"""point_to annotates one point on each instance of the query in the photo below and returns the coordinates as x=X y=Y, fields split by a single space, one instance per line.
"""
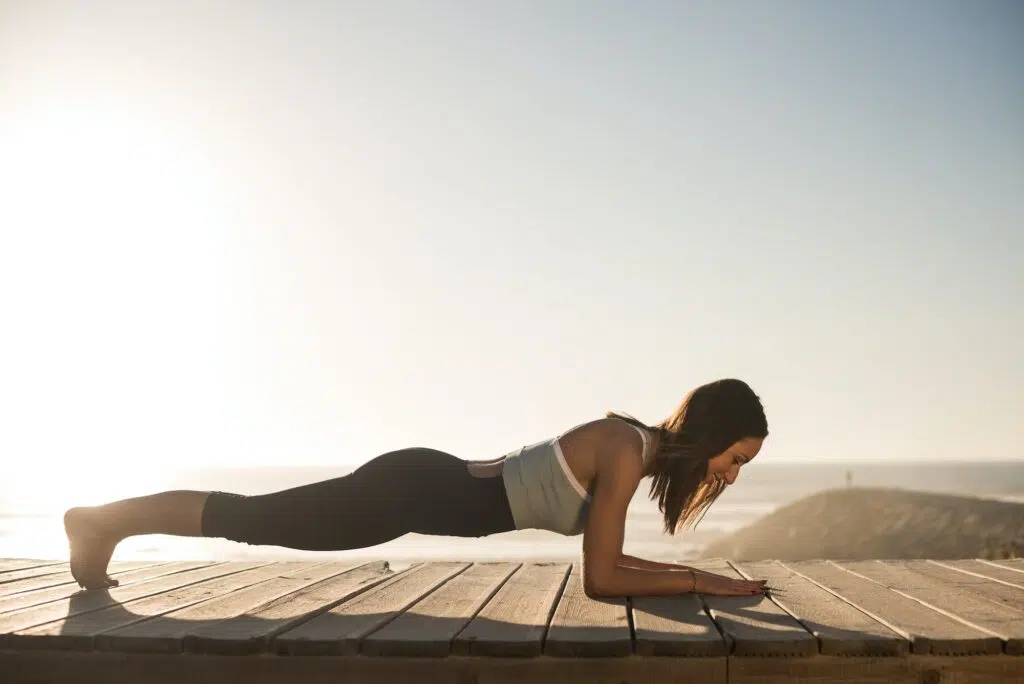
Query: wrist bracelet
x=693 y=576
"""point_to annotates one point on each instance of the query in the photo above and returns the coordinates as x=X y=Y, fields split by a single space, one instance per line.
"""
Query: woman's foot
x=91 y=548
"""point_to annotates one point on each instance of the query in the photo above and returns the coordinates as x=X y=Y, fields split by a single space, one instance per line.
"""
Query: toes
x=105 y=582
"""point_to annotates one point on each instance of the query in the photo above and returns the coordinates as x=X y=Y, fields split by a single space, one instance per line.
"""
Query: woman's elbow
x=598 y=584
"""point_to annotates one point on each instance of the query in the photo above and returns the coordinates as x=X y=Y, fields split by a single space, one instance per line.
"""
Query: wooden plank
x=253 y=631
x=165 y=632
x=513 y=623
x=428 y=627
x=754 y=625
x=1003 y=622
x=9 y=564
x=929 y=632
x=28 y=626
x=87 y=630
x=911 y=669
x=998 y=573
x=675 y=626
x=70 y=667
x=1012 y=563
x=58 y=578
x=979 y=585
x=35 y=571
x=339 y=630
x=840 y=629
x=63 y=591
x=586 y=627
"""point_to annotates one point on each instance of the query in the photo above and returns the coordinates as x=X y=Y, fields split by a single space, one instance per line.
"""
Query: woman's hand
x=716 y=585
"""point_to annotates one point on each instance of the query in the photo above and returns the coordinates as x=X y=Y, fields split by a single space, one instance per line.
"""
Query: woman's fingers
x=736 y=587
x=751 y=587
x=732 y=586
x=738 y=581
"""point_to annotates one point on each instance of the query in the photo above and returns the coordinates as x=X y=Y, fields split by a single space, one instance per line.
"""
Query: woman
x=580 y=481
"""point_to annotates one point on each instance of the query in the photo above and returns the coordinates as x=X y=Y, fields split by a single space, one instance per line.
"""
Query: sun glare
x=111 y=269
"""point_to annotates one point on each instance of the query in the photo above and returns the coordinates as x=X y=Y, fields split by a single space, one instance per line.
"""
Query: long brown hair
x=709 y=420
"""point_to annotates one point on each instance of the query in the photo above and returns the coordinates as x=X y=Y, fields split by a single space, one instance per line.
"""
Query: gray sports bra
x=542 y=491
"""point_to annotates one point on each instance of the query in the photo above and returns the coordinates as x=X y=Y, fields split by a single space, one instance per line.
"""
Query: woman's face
x=726 y=465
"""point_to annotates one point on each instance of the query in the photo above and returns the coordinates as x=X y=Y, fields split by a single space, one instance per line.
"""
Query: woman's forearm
x=644 y=564
x=628 y=581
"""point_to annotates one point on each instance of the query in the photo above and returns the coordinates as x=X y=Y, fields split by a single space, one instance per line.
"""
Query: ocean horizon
x=30 y=526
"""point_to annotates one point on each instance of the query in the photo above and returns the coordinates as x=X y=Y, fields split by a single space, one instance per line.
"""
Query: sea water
x=30 y=526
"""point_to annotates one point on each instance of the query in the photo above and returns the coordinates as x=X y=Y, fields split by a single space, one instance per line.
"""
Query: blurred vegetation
x=1004 y=551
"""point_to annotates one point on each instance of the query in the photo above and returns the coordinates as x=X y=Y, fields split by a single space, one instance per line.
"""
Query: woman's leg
x=412 y=490
x=93 y=532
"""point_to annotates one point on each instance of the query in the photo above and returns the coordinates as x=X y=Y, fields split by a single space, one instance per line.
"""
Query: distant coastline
x=873 y=522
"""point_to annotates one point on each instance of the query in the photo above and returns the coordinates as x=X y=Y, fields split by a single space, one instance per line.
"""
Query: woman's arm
x=644 y=564
x=603 y=575
x=602 y=542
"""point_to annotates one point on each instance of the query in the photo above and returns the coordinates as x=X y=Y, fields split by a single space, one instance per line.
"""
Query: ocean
x=29 y=529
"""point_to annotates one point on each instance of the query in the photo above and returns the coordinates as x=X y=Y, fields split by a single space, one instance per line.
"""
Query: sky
x=273 y=233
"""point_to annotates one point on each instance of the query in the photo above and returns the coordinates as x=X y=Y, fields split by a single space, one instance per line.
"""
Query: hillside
x=864 y=523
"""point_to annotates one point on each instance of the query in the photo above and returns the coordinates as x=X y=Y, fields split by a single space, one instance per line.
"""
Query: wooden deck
x=253 y=622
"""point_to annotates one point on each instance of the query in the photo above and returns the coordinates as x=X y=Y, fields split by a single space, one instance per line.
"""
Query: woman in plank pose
x=578 y=482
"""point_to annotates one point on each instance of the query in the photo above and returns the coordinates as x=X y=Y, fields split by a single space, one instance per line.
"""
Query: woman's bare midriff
x=486 y=469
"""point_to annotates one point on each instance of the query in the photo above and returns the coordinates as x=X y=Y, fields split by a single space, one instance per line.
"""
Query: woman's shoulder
x=615 y=443
x=612 y=431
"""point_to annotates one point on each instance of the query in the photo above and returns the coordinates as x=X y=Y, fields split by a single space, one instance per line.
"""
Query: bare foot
x=91 y=548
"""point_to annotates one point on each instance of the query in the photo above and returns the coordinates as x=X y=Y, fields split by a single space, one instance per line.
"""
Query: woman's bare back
x=582 y=447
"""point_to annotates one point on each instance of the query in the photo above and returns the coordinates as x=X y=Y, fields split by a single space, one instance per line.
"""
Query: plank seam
x=975 y=574
x=886 y=623
x=554 y=607
x=183 y=641
x=924 y=603
x=92 y=639
x=115 y=575
x=404 y=609
x=969 y=589
x=52 y=577
x=1001 y=567
x=784 y=609
x=144 y=597
x=730 y=643
x=268 y=638
x=101 y=634
x=38 y=564
x=53 y=571
x=632 y=625
x=274 y=646
x=483 y=604
x=1005 y=567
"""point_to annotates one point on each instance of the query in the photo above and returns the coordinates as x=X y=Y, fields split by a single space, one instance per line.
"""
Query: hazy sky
x=297 y=232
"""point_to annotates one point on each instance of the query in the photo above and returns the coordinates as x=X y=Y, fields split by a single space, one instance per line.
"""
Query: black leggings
x=412 y=490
